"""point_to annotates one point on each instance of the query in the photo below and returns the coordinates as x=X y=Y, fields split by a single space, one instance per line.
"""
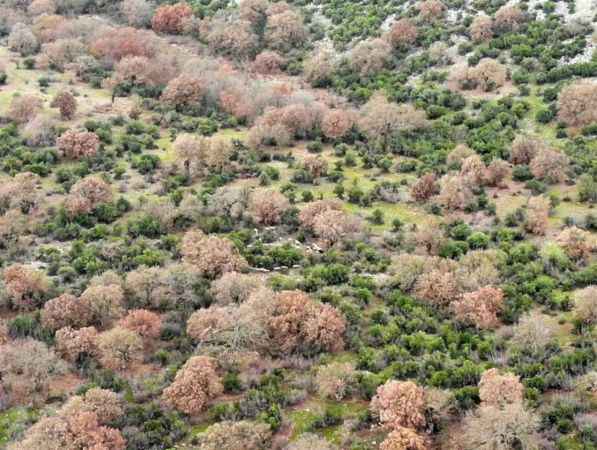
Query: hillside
x=298 y=225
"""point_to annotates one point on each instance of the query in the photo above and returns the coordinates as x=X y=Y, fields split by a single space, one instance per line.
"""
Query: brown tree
x=537 y=215
x=119 y=348
x=481 y=28
x=117 y=43
x=525 y=148
x=81 y=431
x=105 y=404
x=105 y=303
x=65 y=311
x=232 y=39
x=266 y=206
x=78 y=144
x=319 y=66
x=26 y=369
x=255 y=12
x=370 y=56
x=285 y=30
x=403 y=33
x=473 y=171
x=234 y=288
x=73 y=344
x=316 y=166
x=403 y=438
x=24 y=108
x=399 y=404
x=171 y=18
x=508 y=18
x=458 y=155
x=585 y=305
x=336 y=123
x=424 y=188
x=25 y=285
x=268 y=63
x=297 y=323
x=195 y=384
x=211 y=255
x=431 y=10
x=497 y=172
x=138 y=13
x=86 y=194
x=145 y=323
x=335 y=380
x=492 y=427
x=455 y=192
x=66 y=103
x=577 y=104
x=229 y=435
x=577 y=243
x=184 y=91
x=487 y=75
x=211 y=325
x=480 y=308
x=22 y=40
x=380 y=119
x=332 y=226
x=533 y=333
x=438 y=287
x=496 y=389
x=550 y=165
x=311 y=210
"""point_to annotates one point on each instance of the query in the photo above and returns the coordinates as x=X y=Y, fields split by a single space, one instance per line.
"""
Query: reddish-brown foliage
x=79 y=431
x=525 y=148
x=332 y=226
x=171 y=18
x=24 y=108
x=577 y=243
x=336 y=123
x=431 y=10
x=211 y=255
x=66 y=103
x=496 y=389
x=316 y=166
x=550 y=165
x=118 y=43
x=297 y=323
x=184 y=90
x=497 y=172
x=266 y=206
x=72 y=344
x=268 y=63
x=480 y=308
x=119 y=348
x=400 y=404
x=370 y=56
x=65 y=311
x=481 y=28
x=285 y=30
x=313 y=209
x=105 y=302
x=537 y=215
x=78 y=144
x=25 y=285
x=438 y=287
x=455 y=192
x=145 y=323
x=403 y=33
x=86 y=194
x=508 y=17
x=424 y=187
x=403 y=438
x=577 y=104
x=26 y=368
x=195 y=384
